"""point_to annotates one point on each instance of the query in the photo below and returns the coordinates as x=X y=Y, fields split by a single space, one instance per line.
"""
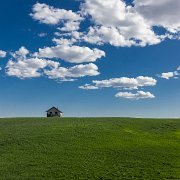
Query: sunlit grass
x=89 y=148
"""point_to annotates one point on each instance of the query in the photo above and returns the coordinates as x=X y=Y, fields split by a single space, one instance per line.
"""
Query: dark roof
x=54 y=108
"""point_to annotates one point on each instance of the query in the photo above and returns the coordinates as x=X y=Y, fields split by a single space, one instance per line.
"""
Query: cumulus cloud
x=22 y=52
x=126 y=84
x=64 y=41
x=2 y=54
x=72 y=54
x=169 y=75
x=23 y=65
x=108 y=13
x=111 y=35
x=115 y=20
x=135 y=96
x=35 y=67
x=72 y=72
x=70 y=26
x=28 y=68
x=163 y=13
x=50 y=15
x=88 y=87
x=121 y=83
x=120 y=24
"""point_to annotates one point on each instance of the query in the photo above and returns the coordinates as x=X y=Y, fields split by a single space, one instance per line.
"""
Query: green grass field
x=89 y=148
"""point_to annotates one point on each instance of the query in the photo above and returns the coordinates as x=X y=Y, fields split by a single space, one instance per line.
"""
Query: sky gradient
x=87 y=62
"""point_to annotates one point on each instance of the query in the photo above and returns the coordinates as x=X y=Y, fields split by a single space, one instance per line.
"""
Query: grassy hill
x=89 y=148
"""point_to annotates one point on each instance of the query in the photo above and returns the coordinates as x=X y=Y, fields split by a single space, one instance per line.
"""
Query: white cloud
x=28 y=68
x=88 y=87
x=123 y=83
x=111 y=35
x=72 y=72
x=108 y=13
x=72 y=54
x=169 y=75
x=135 y=96
x=50 y=15
x=70 y=26
x=2 y=54
x=63 y=41
x=132 y=25
x=22 y=52
x=163 y=13
x=115 y=20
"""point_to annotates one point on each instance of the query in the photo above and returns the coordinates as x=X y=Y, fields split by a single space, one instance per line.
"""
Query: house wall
x=54 y=112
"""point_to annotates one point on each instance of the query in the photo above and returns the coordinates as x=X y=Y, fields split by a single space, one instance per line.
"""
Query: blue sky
x=90 y=58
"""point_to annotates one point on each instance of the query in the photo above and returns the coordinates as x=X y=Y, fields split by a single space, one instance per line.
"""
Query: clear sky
x=90 y=57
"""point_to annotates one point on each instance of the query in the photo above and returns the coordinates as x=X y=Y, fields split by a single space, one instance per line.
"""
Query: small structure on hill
x=54 y=112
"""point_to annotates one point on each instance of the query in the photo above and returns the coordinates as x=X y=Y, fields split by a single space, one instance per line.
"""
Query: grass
x=89 y=148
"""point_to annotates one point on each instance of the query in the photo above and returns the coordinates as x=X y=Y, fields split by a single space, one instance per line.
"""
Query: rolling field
x=89 y=148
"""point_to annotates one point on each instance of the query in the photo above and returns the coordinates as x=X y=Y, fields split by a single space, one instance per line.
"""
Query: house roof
x=54 y=108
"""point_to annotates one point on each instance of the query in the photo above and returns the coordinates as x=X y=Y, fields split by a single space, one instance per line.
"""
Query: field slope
x=89 y=148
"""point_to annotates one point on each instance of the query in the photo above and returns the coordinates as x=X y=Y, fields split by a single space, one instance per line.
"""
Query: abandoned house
x=54 y=112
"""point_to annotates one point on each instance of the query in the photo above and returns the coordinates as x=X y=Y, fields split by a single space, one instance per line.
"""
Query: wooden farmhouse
x=54 y=112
